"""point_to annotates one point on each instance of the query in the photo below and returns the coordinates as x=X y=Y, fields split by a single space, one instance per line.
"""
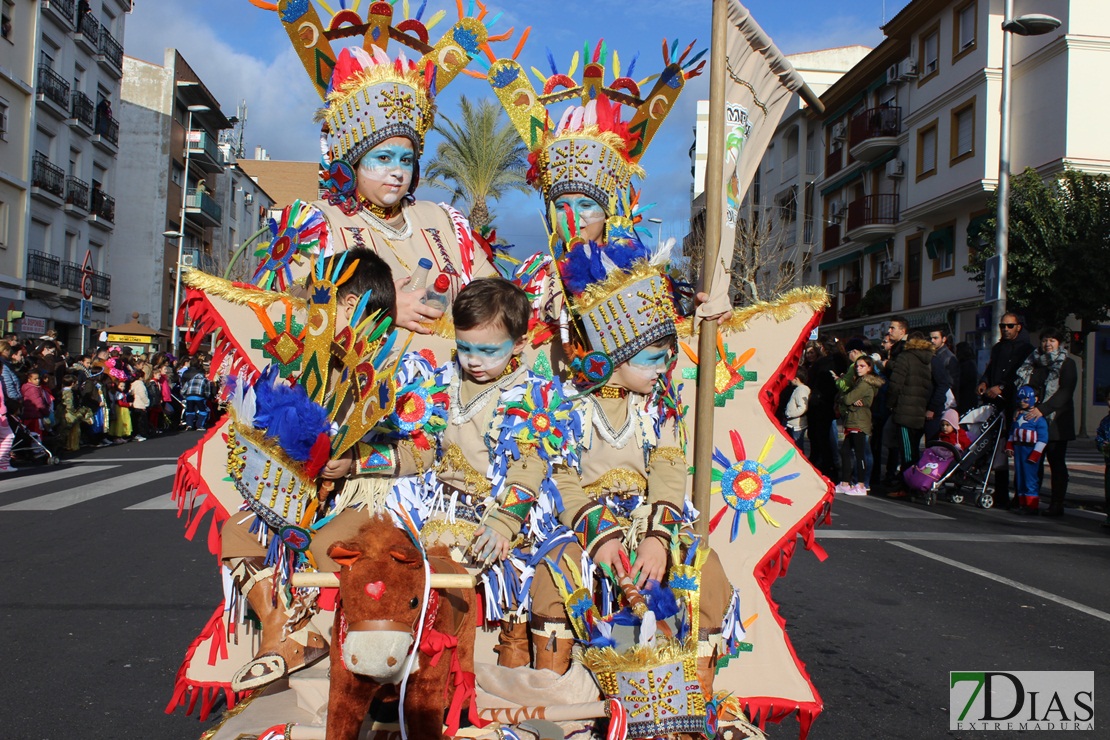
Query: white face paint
x=385 y=172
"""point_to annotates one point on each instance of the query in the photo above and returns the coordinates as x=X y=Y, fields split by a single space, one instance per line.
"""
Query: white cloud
x=280 y=100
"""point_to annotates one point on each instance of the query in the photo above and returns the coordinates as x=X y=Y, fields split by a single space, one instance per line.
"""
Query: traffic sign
x=86 y=312
x=87 y=278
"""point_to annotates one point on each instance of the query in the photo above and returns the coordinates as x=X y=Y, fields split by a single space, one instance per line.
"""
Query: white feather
x=647 y=629
x=564 y=121
x=576 y=117
x=589 y=114
x=662 y=253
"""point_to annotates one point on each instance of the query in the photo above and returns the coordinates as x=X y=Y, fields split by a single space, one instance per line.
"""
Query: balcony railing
x=202 y=202
x=47 y=176
x=204 y=148
x=110 y=49
x=874 y=123
x=790 y=168
x=107 y=127
x=103 y=205
x=77 y=193
x=807 y=232
x=61 y=8
x=81 y=108
x=53 y=86
x=71 y=277
x=871 y=210
x=43 y=268
x=834 y=161
x=89 y=27
x=102 y=285
x=832 y=237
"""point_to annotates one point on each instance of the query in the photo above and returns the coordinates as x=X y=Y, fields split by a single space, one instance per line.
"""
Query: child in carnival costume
x=507 y=427
x=378 y=108
x=284 y=437
x=627 y=496
x=1028 y=438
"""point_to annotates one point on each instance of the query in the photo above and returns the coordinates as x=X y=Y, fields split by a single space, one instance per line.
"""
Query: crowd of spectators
x=57 y=403
x=879 y=402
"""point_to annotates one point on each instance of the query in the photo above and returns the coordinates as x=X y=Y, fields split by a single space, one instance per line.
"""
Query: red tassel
x=318 y=455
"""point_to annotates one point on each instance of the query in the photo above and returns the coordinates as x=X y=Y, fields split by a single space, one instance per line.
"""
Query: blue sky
x=242 y=53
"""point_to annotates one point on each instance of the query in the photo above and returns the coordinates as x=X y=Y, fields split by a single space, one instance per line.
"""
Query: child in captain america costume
x=1026 y=445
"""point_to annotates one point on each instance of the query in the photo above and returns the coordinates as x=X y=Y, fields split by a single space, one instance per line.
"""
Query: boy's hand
x=339 y=467
x=489 y=545
x=412 y=314
x=610 y=554
x=700 y=298
x=651 y=561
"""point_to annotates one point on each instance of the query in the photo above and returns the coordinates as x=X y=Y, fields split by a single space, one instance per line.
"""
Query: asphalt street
x=106 y=594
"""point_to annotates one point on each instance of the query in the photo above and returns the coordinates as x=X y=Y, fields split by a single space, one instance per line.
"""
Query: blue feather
x=551 y=61
x=285 y=413
x=660 y=600
x=632 y=66
x=420 y=12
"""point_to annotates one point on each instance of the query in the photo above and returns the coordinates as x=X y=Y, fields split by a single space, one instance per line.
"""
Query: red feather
x=318 y=455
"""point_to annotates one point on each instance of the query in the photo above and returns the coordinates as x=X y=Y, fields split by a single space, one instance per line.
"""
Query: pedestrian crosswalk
x=74 y=491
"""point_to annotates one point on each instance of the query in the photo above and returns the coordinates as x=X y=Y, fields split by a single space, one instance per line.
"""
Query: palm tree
x=479 y=158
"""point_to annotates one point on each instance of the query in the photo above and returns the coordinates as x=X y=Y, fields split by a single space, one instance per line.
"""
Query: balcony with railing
x=77 y=195
x=43 y=268
x=203 y=208
x=102 y=287
x=110 y=53
x=831 y=237
x=71 y=277
x=102 y=209
x=790 y=168
x=204 y=151
x=807 y=232
x=87 y=35
x=81 y=115
x=48 y=181
x=874 y=132
x=834 y=161
x=52 y=92
x=872 y=217
x=60 y=10
x=106 y=131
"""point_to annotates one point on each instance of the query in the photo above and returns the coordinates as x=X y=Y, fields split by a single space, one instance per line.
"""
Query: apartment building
x=73 y=142
x=911 y=150
x=247 y=207
x=173 y=165
x=17 y=102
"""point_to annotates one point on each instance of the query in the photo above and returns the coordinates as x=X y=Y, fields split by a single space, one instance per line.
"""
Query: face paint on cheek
x=482 y=358
x=586 y=212
x=389 y=170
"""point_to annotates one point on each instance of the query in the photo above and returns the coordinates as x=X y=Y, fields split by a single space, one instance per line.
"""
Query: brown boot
x=289 y=640
x=513 y=645
x=550 y=650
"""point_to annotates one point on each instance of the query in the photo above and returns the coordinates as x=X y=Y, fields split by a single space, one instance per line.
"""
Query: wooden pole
x=707 y=337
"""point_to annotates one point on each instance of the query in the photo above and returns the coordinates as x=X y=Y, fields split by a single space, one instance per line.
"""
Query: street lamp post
x=659 y=231
x=1026 y=25
x=181 y=228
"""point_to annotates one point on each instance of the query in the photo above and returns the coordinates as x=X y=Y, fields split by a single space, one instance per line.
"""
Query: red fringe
x=187 y=692
x=188 y=485
x=775 y=563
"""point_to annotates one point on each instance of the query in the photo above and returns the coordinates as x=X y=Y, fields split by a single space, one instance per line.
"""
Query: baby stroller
x=960 y=476
x=28 y=446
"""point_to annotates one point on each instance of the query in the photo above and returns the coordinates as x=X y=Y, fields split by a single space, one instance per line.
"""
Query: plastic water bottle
x=419 y=276
x=436 y=297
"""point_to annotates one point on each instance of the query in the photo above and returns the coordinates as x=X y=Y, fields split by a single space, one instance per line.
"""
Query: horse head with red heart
x=396 y=625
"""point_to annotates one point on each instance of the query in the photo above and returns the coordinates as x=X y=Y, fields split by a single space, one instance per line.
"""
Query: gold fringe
x=603 y=289
x=673 y=455
x=783 y=308
x=227 y=291
x=639 y=658
x=454 y=459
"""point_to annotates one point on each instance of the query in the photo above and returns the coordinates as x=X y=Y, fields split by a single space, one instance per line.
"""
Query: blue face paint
x=586 y=211
x=652 y=358
x=493 y=351
x=386 y=158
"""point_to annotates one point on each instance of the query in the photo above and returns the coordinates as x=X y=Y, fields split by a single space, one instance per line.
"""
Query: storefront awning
x=974 y=225
x=940 y=240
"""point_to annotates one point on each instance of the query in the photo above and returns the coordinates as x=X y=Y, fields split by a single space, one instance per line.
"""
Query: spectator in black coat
x=965 y=396
x=997 y=386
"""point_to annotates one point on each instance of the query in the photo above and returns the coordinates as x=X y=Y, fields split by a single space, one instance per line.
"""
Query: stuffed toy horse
x=382 y=618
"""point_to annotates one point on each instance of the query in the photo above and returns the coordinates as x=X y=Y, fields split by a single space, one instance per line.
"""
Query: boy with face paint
x=496 y=458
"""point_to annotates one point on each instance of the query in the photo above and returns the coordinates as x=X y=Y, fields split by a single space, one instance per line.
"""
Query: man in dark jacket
x=910 y=392
x=997 y=386
x=946 y=372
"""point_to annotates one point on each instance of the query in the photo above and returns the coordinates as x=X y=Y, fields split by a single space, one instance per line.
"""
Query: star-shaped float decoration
x=775 y=332
x=730 y=372
x=293 y=237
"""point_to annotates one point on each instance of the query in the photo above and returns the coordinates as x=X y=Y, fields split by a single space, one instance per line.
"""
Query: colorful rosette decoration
x=540 y=419
x=296 y=235
x=420 y=412
x=747 y=485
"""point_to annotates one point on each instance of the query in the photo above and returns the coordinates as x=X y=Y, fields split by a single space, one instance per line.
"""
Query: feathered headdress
x=589 y=148
x=370 y=96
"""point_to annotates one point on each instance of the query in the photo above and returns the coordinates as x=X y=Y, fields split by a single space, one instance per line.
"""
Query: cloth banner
x=759 y=83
